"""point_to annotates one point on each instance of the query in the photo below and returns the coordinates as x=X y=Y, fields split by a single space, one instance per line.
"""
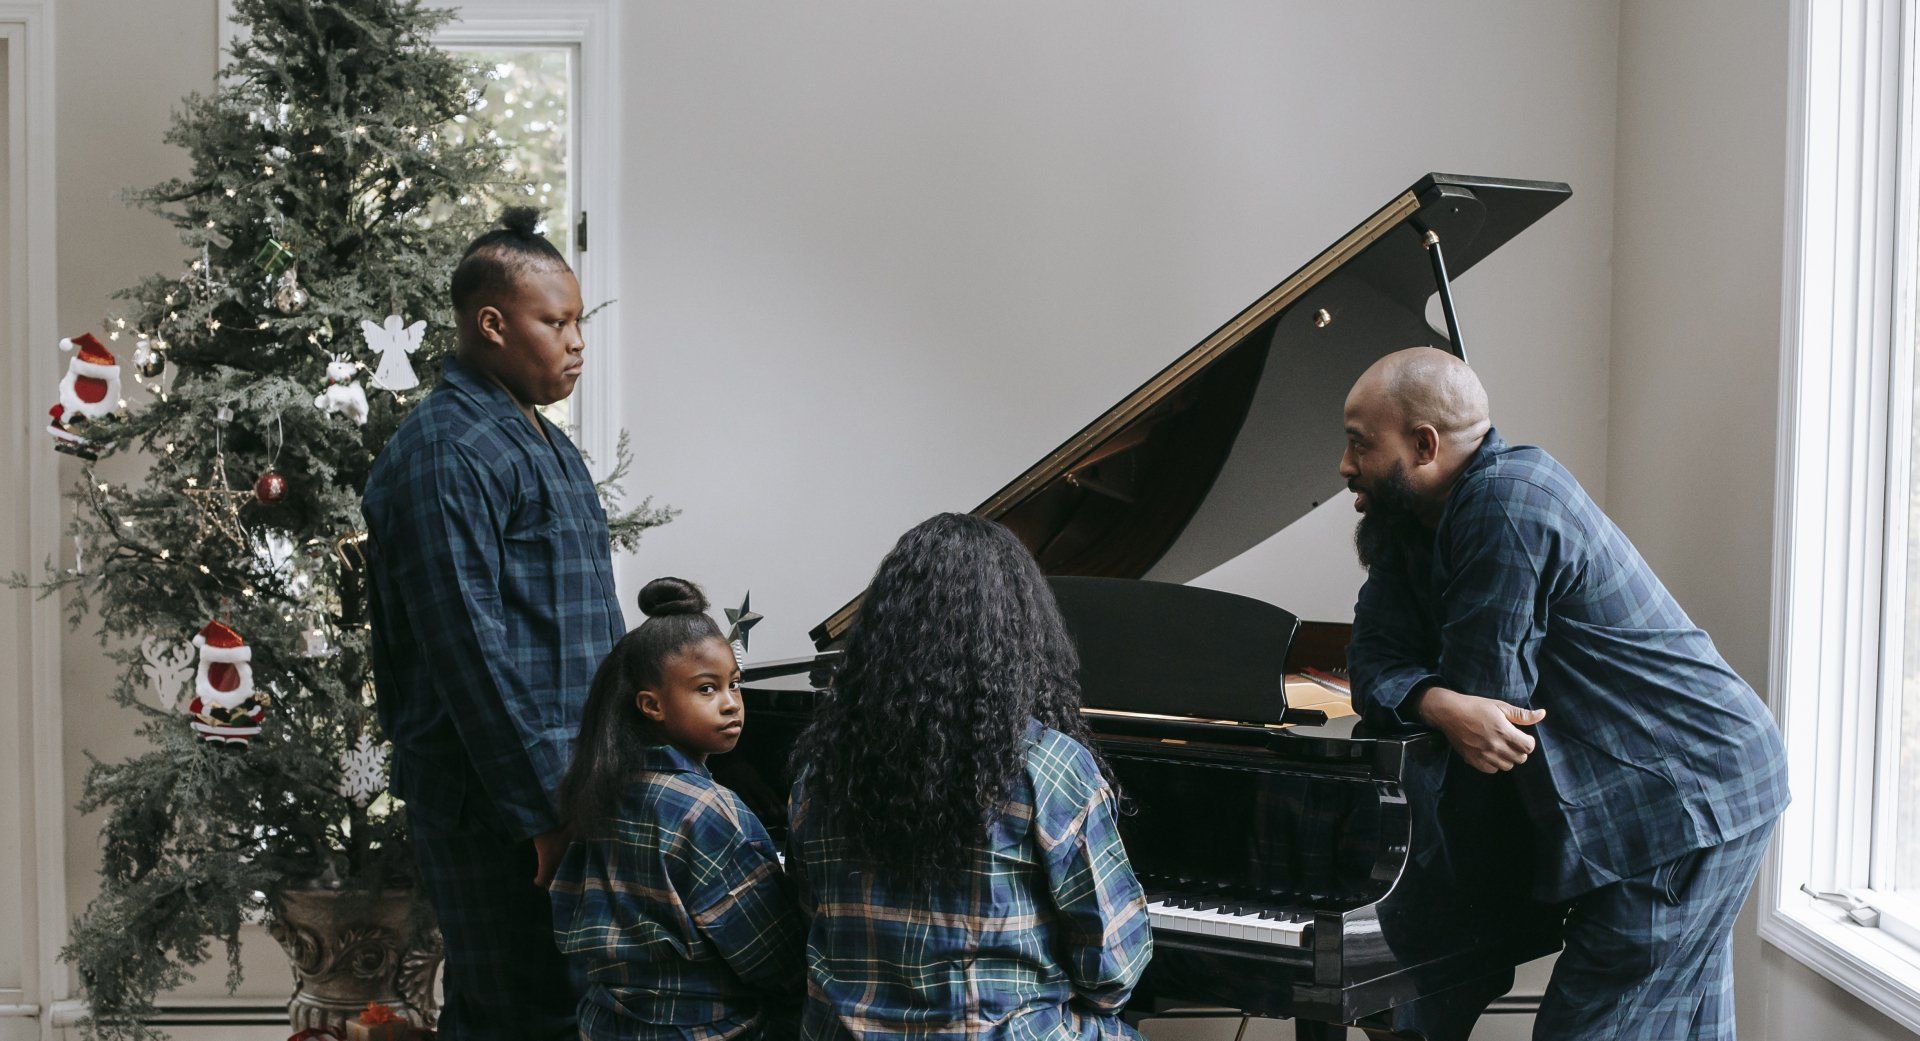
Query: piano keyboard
x=1279 y=928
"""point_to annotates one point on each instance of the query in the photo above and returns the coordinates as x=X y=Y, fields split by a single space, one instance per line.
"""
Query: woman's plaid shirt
x=683 y=924
x=1046 y=940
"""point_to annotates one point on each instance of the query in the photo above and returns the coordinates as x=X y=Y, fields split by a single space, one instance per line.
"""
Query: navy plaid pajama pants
x=504 y=978
x=1650 y=958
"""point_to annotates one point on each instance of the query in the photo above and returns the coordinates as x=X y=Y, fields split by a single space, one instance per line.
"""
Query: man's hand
x=548 y=848
x=1484 y=731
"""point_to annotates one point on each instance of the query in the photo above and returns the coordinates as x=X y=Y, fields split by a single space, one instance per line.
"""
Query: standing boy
x=492 y=598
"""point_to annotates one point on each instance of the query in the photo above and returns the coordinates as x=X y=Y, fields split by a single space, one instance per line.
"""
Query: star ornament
x=219 y=506
x=741 y=620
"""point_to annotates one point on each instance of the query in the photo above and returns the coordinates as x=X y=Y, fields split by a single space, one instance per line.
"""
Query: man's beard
x=1389 y=521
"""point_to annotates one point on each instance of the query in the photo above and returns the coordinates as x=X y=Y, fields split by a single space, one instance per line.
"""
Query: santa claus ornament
x=226 y=710
x=90 y=390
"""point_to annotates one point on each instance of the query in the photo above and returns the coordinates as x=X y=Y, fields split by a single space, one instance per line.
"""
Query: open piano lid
x=1240 y=436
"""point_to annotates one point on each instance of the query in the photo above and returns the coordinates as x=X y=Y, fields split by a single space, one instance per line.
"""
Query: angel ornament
x=393 y=342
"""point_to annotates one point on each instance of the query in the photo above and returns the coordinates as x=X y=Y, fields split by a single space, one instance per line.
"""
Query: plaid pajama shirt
x=1652 y=747
x=1046 y=940
x=682 y=923
x=490 y=589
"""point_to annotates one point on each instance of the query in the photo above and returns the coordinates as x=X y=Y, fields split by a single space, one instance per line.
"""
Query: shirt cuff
x=529 y=810
x=1395 y=696
x=528 y=817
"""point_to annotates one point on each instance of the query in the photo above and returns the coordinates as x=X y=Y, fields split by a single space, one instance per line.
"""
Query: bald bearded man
x=1505 y=610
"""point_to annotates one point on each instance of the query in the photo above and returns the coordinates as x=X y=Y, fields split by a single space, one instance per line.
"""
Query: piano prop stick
x=1299 y=861
x=1432 y=241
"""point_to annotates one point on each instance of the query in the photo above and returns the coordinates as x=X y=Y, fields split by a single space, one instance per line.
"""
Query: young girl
x=953 y=835
x=670 y=902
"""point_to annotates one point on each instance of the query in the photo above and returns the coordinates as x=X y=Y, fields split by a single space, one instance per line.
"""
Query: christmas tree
x=330 y=188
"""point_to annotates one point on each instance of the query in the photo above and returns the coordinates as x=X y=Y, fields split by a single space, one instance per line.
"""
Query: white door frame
x=33 y=713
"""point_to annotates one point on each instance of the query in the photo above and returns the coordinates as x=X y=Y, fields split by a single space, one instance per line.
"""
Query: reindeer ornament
x=343 y=393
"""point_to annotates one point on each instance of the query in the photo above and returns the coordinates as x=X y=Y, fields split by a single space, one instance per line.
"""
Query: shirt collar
x=475 y=384
x=668 y=759
x=1491 y=447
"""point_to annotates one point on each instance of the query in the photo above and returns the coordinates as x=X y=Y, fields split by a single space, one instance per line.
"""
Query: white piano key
x=1246 y=927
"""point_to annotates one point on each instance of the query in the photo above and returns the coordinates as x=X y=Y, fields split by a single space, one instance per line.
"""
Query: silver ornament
x=288 y=295
x=147 y=359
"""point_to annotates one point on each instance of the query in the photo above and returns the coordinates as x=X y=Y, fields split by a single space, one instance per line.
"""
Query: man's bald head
x=1413 y=421
x=1426 y=385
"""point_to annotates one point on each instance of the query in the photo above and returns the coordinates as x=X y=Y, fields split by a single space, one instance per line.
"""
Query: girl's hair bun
x=521 y=220
x=665 y=596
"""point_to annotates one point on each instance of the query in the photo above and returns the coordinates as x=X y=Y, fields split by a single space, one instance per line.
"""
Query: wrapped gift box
x=379 y=1023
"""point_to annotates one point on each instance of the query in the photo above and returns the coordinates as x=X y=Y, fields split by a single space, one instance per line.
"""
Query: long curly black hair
x=958 y=643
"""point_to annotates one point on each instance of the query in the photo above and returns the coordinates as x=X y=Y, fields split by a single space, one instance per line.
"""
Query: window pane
x=525 y=104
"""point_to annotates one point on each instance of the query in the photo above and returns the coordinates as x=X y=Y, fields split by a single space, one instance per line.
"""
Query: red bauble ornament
x=270 y=488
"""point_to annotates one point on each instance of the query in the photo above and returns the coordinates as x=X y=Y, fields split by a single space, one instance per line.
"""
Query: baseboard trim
x=258 y=1013
x=1509 y=1005
x=249 y=1012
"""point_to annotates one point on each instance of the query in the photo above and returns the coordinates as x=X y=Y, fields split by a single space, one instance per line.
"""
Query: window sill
x=1867 y=963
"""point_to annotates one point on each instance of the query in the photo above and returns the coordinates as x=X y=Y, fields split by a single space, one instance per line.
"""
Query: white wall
x=1694 y=370
x=880 y=257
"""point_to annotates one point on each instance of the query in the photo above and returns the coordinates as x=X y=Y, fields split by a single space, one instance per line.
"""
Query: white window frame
x=591 y=29
x=1840 y=512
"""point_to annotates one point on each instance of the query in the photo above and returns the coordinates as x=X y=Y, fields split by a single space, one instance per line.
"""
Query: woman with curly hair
x=953 y=835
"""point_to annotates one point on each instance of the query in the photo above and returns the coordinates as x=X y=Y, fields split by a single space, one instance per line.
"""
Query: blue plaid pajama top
x=683 y=924
x=1652 y=746
x=490 y=588
x=1045 y=941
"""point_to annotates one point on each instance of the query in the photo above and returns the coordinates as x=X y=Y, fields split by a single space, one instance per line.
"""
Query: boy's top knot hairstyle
x=671 y=596
x=494 y=260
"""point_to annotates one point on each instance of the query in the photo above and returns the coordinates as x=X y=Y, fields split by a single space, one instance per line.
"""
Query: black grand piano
x=1299 y=862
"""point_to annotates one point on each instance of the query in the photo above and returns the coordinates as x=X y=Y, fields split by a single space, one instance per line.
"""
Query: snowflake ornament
x=363 y=771
x=393 y=342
